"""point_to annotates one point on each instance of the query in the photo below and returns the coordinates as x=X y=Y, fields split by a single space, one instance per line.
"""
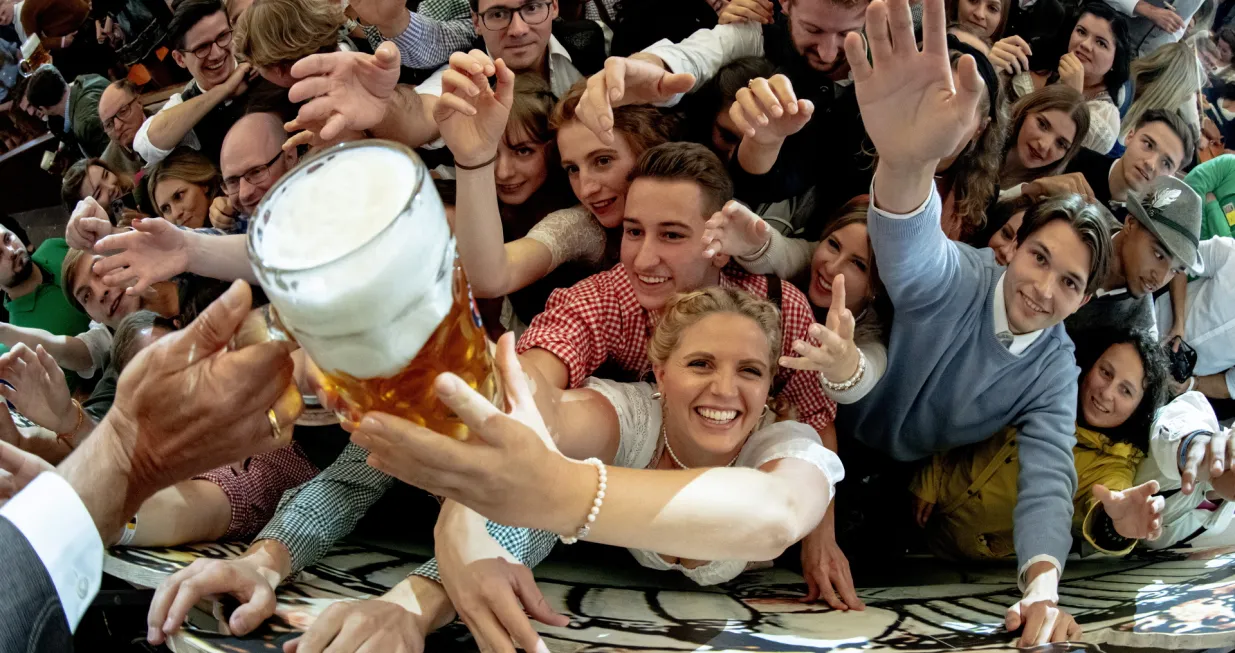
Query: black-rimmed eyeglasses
x=222 y=40
x=532 y=13
x=254 y=176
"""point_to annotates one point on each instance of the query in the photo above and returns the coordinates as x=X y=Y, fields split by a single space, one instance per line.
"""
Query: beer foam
x=361 y=294
x=335 y=206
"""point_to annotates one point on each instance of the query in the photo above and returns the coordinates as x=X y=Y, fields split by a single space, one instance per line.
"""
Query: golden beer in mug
x=354 y=251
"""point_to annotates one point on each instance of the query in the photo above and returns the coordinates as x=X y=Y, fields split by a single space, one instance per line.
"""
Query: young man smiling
x=973 y=347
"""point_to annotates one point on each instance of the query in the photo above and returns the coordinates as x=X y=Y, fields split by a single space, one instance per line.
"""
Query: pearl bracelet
x=853 y=380
x=599 y=501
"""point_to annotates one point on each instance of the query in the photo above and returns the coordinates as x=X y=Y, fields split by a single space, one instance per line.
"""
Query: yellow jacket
x=974 y=492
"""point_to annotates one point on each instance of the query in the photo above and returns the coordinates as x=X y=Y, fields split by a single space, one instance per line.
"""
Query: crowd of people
x=818 y=283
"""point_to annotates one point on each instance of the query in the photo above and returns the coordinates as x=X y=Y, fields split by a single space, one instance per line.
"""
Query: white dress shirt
x=1210 y=324
x=60 y=530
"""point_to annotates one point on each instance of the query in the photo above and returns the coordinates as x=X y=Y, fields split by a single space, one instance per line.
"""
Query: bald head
x=120 y=111
x=252 y=159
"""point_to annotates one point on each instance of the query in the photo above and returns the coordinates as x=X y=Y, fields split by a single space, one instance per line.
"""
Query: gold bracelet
x=68 y=438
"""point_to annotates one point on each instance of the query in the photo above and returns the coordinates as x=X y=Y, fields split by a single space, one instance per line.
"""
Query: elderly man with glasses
x=200 y=36
x=122 y=114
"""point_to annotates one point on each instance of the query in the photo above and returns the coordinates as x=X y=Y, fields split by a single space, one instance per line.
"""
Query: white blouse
x=639 y=421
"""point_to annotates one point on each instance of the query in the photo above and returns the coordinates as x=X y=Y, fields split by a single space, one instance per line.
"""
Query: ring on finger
x=276 y=430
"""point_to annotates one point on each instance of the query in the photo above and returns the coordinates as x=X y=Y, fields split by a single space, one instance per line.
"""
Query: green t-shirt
x=47 y=308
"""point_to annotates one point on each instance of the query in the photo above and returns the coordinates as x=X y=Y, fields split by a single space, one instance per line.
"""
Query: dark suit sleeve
x=31 y=618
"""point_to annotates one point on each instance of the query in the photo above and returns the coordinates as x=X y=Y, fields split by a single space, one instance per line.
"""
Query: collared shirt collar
x=1114 y=203
x=556 y=50
x=1000 y=313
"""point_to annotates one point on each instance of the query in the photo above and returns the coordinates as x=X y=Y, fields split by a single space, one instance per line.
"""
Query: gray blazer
x=31 y=619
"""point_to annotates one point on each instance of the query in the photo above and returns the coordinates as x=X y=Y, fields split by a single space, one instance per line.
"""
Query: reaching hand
x=746 y=11
x=369 y=625
x=1071 y=183
x=87 y=224
x=17 y=467
x=39 y=390
x=1166 y=19
x=826 y=570
x=626 y=81
x=500 y=471
x=346 y=90
x=1071 y=73
x=222 y=213
x=1010 y=55
x=836 y=357
x=1136 y=512
x=488 y=587
x=237 y=83
x=913 y=113
x=170 y=424
x=471 y=116
x=734 y=231
x=240 y=578
x=154 y=251
x=767 y=111
x=1209 y=456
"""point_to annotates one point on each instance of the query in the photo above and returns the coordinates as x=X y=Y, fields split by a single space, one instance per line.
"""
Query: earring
x=656 y=395
x=766 y=409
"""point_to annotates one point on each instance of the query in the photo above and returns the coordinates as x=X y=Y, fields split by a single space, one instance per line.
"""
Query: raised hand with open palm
x=836 y=357
x=913 y=110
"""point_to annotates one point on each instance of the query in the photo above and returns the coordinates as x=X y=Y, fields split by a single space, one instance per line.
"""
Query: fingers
x=1192 y=464
x=1012 y=618
x=765 y=102
x=534 y=601
x=320 y=64
x=472 y=408
x=387 y=56
x=304 y=137
x=1218 y=453
x=934 y=28
x=505 y=90
x=214 y=327
x=334 y=126
x=879 y=35
x=260 y=606
x=515 y=622
x=475 y=62
x=1063 y=625
x=855 y=52
x=848 y=593
x=50 y=366
x=971 y=86
x=514 y=381
x=308 y=88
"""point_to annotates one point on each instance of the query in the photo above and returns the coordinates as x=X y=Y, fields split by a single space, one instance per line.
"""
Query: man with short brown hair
x=121 y=113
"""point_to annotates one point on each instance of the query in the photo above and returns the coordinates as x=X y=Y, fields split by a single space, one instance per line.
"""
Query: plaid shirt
x=437 y=29
x=599 y=320
x=315 y=515
x=254 y=487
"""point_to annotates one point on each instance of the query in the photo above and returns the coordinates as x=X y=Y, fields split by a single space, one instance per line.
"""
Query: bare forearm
x=98 y=473
x=757 y=158
x=220 y=257
x=410 y=118
x=902 y=187
x=271 y=558
x=168 y=128
x=192 y=511
x=478 y=230
x=714 y=514
x=1213 y=386
x=69 y=351
x=425 y=598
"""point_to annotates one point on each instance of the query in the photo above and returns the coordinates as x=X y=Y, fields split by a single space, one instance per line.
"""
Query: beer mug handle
x=262 y=324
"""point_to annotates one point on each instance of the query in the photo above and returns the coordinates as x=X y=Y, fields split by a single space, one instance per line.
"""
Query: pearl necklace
x=669 y=448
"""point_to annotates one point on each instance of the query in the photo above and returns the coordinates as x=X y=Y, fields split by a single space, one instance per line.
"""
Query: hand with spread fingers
x=1209 y=456
x=1010 y=55
x=471 y=116
x=836 y=357
x=39 y=390
x=913 y=108
x=626 y=81
x=492 y=592
x=344 y=90
x=369 y=625
x=1135 y=512
x=747 y=11
x=767 y=110
x=87 y=225
x=735 y=231
x=155 y=250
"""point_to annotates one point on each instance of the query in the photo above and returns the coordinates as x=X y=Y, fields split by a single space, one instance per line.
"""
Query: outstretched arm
x=70 y=352
x=155 y=251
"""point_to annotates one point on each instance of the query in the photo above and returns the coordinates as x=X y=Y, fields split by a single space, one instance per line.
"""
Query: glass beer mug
x=353 y=249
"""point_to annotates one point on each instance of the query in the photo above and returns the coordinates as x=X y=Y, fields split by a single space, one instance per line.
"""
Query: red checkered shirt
x=254 y=487
x=599 y=320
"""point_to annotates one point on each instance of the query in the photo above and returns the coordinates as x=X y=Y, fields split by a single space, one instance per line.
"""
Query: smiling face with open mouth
x=662 y=241
x=217 y=62
x=1113 y=388
x=715 y=384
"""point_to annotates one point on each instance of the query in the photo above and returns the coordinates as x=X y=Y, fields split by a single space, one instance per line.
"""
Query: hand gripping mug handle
x=262 y=324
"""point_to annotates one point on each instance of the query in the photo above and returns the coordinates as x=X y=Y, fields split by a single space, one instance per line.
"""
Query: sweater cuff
x=1021 y=577
x=897 y=216
x=1100 y=533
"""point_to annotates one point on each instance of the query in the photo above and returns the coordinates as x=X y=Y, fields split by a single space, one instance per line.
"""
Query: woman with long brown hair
x=1047 y=129
x=182 y=186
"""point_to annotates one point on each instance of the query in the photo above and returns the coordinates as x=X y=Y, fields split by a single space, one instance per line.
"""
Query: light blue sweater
x=951 y=383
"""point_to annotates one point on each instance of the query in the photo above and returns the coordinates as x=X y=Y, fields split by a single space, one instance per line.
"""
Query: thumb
x=479 y=415
x=675 y=83
x=1101 y=493
x=214 y=327
x=1142 y=491
x=505 y=84
x=1012 y=620
x=388 y=55
x=970 y=86
x=152 y=225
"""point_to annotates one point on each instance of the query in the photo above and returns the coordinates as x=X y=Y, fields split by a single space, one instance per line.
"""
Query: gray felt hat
x=1171 y=210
